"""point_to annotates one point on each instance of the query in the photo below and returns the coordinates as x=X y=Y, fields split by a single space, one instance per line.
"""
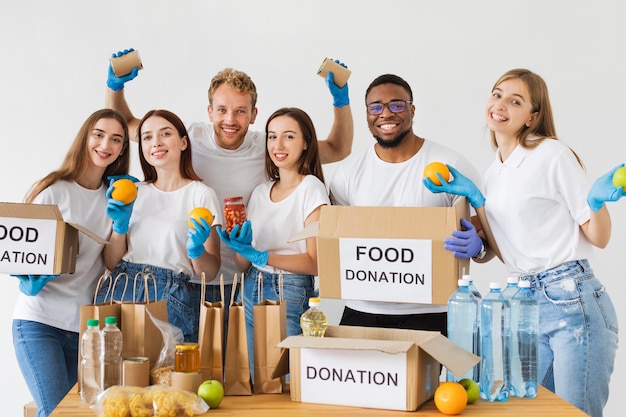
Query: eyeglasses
x=395 y=106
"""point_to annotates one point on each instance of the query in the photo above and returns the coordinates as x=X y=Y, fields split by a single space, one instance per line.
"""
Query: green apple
x=619 y=178
x=472 y=389
x=212 y=392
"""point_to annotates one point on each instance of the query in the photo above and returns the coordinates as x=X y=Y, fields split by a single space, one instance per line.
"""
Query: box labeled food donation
x=34 y=239
x=370 y=367
x=393 y=254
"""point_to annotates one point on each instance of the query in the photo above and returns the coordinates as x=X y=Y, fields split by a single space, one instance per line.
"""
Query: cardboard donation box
x=35 y=240
x=390 y=254
x=370 y=367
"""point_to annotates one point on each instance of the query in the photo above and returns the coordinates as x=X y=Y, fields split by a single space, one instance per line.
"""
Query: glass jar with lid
x=234 y=212
x=187 y=357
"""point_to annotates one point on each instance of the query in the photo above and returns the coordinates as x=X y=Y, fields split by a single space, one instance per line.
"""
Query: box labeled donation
x=35 y=240
x=370 y=367
x=392 y=254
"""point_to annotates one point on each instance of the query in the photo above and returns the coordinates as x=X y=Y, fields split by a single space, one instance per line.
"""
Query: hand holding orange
x=435 y=168
x=124 y=190
x=450 y=398
x=198 y=213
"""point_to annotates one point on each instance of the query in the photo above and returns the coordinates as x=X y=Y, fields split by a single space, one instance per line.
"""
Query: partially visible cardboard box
x=392 y=254
x=370 y=367
x=30 y=409
x=35 y=240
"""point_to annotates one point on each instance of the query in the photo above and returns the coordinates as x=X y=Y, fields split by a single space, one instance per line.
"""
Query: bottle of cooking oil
x=314 y=322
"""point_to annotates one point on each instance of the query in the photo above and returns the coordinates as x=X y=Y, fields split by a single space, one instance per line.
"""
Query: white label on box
x=396 y=270
x=363 y=378
x=27 y=245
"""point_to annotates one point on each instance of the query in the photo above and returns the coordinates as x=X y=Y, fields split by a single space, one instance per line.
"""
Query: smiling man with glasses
x=390 y=174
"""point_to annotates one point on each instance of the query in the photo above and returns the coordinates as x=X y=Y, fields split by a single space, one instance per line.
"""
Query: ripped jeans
x=578 y=334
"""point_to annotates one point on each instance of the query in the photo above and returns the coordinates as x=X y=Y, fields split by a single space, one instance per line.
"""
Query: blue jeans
x=212 y=295
x=578 y=335
x=171 y=287
x=48 y=359
x=297 y=289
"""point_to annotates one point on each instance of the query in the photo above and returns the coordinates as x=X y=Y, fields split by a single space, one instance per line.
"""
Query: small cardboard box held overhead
x=370 y=367
x=35 y=240
x=392 y=254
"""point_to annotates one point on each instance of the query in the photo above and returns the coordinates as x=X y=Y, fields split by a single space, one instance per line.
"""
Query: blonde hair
x=76 y=160
x=237 y=80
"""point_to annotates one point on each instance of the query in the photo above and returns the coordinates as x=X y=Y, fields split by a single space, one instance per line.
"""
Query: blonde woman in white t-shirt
x=46 y=315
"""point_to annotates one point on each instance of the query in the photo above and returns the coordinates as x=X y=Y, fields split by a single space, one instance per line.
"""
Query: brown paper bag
x=101 y=310
x=237 y=367
x=140 y=334
x=211 y=335
x=270 y=328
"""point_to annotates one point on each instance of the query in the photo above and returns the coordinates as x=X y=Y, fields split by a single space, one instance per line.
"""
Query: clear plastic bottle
x=90 y=365
x=463 y=325
x=479 y=299
x=472 y=287
x=495 y=347
x=313 y=321
x=524 y=340
x=511 y=288
x=111 y=353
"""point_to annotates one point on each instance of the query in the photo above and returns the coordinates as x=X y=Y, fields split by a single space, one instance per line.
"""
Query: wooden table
x=269 y=405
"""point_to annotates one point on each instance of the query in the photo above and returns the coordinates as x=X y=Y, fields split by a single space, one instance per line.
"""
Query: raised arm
x=598 y=229
x=114 y=96
x=338 y=144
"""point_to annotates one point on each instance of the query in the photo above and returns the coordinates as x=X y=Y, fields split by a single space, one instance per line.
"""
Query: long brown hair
x=542 y=127
x=77 y=160
x=186 y=168
x=309 y=163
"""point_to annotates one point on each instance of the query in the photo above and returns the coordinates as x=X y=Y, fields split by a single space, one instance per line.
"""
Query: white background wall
x=55 y=56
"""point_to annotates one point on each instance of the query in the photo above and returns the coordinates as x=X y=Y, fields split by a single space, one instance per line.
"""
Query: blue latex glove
x=460 y=185
x=466 y=243
x=241 y=242
x=603 y=190
x=196 y=237
x=340 y=95
x=117 y=83
x=32 y=284
x=116 y=210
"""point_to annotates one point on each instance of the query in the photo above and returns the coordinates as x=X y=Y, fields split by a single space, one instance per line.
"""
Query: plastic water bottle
x=313 y=321
x=472 y=287
x=511 y=288
x=111 y=354
x=495 y=333
x=463 y=325
x=90 y=347
x=524 y=340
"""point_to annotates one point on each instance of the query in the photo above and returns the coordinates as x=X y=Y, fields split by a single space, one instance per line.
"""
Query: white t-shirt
x=229 y=173
x=58 y=303
x=157 y=232
x=274 y=223
x=536 y=202
x=366 y=180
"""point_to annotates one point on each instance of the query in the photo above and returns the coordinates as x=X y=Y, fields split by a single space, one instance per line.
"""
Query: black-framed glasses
x=395 y=106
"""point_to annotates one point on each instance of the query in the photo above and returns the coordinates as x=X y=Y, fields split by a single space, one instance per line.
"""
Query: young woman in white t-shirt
x=290 y=200
x=156 y=241
x=46 y=315
x=546 y=220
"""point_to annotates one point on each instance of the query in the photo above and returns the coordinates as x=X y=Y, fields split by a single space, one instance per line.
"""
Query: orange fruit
x=198 y=213
x=450 y=398
x=124 y=190
x=433 y=168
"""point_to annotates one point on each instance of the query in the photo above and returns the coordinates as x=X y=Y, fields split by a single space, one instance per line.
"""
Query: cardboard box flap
x=30 y=211
x=386 y=346
x=380 y=333
x=309 y=231
x=89 y=233
x=376 y=222
x=449 y=354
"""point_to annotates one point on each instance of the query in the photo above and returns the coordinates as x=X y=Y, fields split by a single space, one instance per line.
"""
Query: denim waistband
x=543 y=277
x=141 y=271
